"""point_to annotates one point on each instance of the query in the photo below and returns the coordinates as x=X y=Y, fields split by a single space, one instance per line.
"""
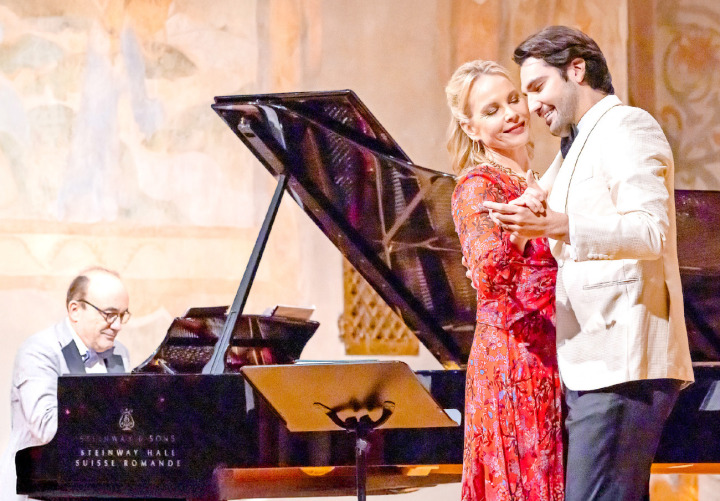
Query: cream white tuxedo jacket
x=33 y=396
x=619 y=299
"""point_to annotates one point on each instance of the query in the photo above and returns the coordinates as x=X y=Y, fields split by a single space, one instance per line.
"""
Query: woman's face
x=499 y=115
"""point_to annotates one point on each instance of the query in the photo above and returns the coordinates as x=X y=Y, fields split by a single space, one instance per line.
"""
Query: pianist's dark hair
x=559 y=45
x=79 y=286
x=464 y=152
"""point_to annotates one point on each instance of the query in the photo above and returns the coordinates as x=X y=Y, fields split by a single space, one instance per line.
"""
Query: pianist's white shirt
x=94 y=364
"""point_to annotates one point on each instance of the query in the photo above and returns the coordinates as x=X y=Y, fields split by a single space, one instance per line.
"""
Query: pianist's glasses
x=110 y=316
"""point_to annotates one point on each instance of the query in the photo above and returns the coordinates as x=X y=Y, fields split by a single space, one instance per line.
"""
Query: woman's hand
x=534 y=196
x=468 y=272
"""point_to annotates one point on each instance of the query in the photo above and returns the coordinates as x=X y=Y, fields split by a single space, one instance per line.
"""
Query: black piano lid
x=390 y=218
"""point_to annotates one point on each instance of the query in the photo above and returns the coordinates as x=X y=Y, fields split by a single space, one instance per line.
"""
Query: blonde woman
x=513 y=424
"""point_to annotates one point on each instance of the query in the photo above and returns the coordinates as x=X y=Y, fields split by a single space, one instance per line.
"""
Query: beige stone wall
x=110 y=154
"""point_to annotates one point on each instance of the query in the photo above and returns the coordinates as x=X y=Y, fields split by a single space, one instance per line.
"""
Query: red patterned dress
x=513 y=423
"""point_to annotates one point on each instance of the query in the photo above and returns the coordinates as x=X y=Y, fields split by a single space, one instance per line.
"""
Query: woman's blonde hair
x=464 y=152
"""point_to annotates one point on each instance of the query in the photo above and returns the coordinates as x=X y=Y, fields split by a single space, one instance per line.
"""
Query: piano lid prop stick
x=216 y=365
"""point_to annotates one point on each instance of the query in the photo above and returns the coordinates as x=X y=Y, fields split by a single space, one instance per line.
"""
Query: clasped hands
x=525 y=217
x=522 y=217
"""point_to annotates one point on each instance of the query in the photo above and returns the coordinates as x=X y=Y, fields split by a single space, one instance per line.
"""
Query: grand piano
x=186 y=424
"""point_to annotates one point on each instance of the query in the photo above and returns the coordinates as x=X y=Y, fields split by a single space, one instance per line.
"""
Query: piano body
x=187 y=425
x=691 y=438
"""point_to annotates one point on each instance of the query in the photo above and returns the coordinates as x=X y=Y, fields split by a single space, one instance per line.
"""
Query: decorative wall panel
x=687 y=58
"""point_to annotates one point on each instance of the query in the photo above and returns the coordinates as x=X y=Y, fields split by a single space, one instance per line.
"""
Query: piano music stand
x=327 y=396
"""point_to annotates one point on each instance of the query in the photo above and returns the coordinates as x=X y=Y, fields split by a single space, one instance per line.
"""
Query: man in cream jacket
x=82 y=343
x=610 y=216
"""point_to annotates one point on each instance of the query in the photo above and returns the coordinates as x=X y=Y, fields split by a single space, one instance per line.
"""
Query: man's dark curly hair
x=559 y=45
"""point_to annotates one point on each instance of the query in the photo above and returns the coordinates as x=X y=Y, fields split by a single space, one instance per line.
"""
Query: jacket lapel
x=570 y=164
x=548 y=178
x=73 y=359
x=560 y=173
x=115 y=365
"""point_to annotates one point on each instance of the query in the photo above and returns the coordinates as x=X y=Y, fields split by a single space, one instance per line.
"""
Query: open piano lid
x=390 y=218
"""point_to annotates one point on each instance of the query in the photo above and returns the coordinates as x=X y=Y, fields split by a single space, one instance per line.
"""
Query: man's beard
x=565 y=112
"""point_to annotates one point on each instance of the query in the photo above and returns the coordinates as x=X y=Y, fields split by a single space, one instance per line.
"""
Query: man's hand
x=523 y=222
x=534 y=196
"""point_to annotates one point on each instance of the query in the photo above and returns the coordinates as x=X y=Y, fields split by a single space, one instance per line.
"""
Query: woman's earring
x=476 y=147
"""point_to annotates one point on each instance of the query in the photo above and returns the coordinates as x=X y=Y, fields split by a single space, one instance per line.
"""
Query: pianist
x=83 y=342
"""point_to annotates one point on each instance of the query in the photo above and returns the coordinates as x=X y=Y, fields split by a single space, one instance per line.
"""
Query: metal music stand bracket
x=358 y=397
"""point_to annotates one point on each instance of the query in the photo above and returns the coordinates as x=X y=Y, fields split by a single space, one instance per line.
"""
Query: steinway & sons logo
x=131 y=451
x=127 y=423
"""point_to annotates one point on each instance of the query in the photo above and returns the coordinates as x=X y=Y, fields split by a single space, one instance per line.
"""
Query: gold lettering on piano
x=151 y=463
x=98 y=463
x=167 y=439
x=156 y=450
x=108 y=452
x=160 y=453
